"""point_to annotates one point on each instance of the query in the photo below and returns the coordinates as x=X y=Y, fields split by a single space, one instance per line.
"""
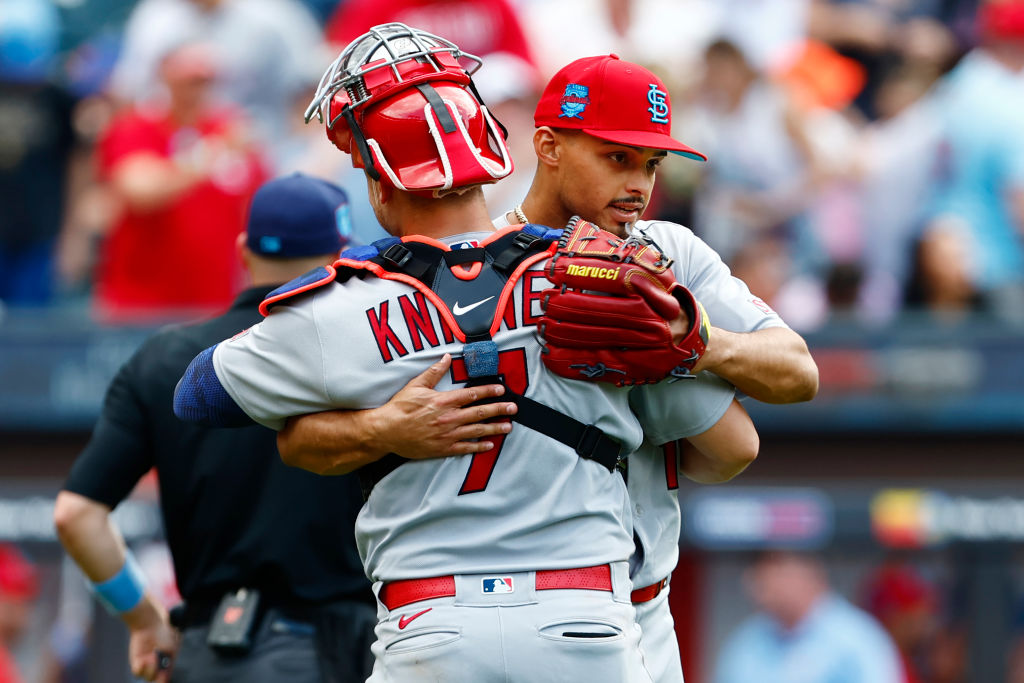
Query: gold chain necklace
x=520 y=216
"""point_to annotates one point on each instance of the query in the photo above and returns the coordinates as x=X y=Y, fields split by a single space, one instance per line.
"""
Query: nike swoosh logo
x=403 y=621
x=459 y=310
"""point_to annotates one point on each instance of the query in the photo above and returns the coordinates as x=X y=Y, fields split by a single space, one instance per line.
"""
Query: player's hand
x=420 y=422
x=153 y=643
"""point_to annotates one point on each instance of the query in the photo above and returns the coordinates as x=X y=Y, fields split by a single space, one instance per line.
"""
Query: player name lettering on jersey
x=410 y=322
x=592 y=272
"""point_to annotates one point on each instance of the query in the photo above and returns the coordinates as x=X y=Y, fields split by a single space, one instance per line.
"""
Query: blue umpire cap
x=296 y=216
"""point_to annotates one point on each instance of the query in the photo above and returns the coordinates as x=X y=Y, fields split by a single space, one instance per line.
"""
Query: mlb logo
x=497 y=584
x=471 y=244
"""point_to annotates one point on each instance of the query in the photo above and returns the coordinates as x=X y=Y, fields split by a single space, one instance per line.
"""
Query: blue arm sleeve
x=200 y=397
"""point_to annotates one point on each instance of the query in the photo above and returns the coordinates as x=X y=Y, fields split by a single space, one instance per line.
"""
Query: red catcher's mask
x=399 y=101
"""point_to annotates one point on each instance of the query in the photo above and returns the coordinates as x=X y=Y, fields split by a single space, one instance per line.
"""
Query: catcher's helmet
x=398 y=100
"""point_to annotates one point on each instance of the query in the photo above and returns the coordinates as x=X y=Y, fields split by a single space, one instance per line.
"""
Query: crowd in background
x=866 y=158
x=865 y=155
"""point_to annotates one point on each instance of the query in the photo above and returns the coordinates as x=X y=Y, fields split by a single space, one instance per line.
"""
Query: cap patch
x=270 y=244
x=659 y=106
x=574 y=101
x=343 y=219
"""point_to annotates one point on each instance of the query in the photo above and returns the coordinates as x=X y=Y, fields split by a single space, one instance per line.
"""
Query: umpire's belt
x=200 y=612
x=648 y=593
x=395 y=594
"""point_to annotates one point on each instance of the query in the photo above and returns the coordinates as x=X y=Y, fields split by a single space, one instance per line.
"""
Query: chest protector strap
x=471 y=289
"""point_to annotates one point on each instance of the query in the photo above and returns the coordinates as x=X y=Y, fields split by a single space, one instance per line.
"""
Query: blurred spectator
x=980 y=177
x=265 y=48
x=322 y=9
x=18 y=588
x=765 y=30
x=881 y=34
x=182 y=171
x=947 y=657
x=510 y=89
x=479 y=27
x=83 y=22
x=765 y=265
x=90 y=208
x=805 y=633
x=905 y=604
x=761 y=168
x=666 y=36
x=1015 y=659
x=36 y=143
x=895 y=159
x=940 y=278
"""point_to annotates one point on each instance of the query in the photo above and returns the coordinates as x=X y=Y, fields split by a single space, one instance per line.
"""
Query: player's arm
x=722 y=438
x=749 y=345
x=724 y=450
x=105 y=472
x=772 y=365
x=147 y=182
x=269 y=372
x=418 y=422
x=88 y=535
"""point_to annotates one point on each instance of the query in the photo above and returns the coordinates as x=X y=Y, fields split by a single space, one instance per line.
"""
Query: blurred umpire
x=264 y=554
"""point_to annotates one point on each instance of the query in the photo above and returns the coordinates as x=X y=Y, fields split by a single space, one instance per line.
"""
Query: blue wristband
x=125 y=589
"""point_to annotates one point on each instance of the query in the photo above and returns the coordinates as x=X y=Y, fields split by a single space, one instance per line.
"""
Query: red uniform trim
x=395 y=594
x=648 y=593
x=385 y=274
x=506 y=293
x=597 y=578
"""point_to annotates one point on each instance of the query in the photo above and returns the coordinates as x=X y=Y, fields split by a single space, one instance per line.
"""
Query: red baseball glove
x=607 y=318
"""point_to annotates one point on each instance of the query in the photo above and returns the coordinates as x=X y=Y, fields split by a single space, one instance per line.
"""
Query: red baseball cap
x=613 y=100
x=18 y=579
x=1001 y=20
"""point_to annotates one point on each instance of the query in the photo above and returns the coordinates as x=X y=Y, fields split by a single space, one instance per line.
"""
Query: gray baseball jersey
x=654 y=468
x=730 y=306
x=535 y=504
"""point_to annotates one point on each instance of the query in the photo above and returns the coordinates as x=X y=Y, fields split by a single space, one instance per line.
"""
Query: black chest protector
x=470 y=288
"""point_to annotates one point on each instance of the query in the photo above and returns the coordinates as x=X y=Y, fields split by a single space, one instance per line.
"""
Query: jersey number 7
x=512 y=370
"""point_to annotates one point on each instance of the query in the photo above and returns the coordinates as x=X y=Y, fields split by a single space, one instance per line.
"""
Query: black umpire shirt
x=234 y=514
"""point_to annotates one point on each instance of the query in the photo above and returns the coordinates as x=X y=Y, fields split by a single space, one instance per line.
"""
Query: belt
x=395 y=594
x=648 y=593
x=199 y=612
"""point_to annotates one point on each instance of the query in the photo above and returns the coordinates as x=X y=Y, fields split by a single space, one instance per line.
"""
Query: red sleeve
x=127 y=134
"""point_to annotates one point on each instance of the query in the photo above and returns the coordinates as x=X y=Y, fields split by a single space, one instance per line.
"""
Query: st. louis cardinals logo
x=659 y=105
x=574 y=101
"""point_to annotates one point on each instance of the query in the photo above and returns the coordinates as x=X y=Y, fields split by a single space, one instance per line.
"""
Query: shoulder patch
x=317 y=277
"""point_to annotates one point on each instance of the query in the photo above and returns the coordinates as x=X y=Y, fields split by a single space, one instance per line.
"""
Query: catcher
x=598 y=153
x=512 y=563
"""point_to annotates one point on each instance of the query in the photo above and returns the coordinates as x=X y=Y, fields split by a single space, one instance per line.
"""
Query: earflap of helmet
x=338 y=130
x=436 y=139
x=344 y=133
